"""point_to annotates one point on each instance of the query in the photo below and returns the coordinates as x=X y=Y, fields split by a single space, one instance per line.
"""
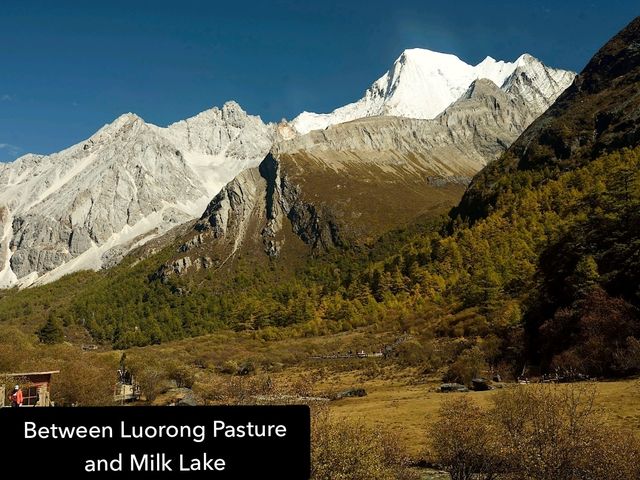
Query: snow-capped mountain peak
x=535 y=83
x=495 y=70
x=526 y=59
x=422 y=84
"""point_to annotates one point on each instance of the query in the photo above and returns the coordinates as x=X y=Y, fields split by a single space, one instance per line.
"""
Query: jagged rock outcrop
x=232 y=214
x=535 y=83
x=82 y=207
x=227 y=213
x=254 y=211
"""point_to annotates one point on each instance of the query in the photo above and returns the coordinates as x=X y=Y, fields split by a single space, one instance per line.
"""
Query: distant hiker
x=16 y=397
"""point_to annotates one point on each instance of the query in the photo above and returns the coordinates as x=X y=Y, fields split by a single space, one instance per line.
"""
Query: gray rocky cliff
x=131 y=181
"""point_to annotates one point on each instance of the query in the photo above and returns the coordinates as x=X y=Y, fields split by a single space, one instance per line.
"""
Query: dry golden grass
x=404 y=408
x=622 y=401
x=409 y=409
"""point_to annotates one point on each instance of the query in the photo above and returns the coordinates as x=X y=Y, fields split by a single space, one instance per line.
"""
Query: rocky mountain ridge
x=351 y=182
x=130 y=181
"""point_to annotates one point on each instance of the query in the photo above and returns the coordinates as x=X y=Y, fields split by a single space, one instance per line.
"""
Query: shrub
x=150 y=375
x=412 y=353
x=464 y=440
x=564 y=435
x=86 y=380
x=183 y=376
x=351 y=450
x=235 y=390
x=541 y=432
x=230 y=367
x=16 y=347
x=469 y=364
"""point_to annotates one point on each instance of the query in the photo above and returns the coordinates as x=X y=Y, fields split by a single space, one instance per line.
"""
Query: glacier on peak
x=423 y=83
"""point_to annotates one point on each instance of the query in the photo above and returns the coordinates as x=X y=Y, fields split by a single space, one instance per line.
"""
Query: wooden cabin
x=36 y=388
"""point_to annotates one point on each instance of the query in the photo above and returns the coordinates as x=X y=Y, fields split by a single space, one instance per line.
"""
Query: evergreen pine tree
x=51 y=332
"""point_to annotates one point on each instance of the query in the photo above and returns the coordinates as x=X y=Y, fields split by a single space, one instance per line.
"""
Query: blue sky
x=67 y=68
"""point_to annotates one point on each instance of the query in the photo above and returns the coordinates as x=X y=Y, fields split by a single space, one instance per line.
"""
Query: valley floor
x=404 y=400
x=408 y=409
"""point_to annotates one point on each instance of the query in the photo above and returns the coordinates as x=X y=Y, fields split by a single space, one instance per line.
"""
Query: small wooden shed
x=36 y=388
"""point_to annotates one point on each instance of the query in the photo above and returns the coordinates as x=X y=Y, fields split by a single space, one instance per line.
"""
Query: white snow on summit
x=423 y=83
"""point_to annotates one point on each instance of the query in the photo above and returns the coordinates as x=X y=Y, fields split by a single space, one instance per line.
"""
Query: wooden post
x=43 y=396
x=2 y=396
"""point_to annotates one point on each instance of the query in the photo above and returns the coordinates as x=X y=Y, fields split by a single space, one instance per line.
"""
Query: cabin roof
x=32 y=373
